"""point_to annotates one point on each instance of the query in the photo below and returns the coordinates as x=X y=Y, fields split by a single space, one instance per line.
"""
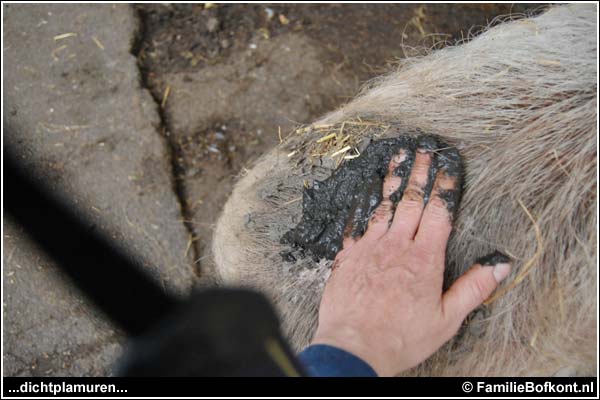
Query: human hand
x=384 y=300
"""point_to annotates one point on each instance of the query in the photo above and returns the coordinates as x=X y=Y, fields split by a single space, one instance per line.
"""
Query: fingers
x=379 y=221
x=436 y=222
x=473 y=288
x=410 y=208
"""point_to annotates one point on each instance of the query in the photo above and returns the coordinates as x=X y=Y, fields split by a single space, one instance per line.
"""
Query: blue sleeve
x=324 y=360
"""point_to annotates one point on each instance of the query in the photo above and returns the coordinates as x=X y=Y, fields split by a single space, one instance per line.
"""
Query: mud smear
x=494 y=259
x=342 y=204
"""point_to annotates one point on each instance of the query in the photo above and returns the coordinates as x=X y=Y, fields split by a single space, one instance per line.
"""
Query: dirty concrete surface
x=76 y=114
x=142 y=116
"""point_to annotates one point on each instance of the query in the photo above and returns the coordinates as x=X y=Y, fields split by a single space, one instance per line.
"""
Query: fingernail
x=424 y=150
x=501 y=271
x=500 y=262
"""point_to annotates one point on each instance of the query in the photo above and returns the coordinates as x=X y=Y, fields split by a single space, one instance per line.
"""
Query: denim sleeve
x=324 y=360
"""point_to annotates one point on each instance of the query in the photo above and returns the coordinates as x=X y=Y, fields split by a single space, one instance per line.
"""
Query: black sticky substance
x=342 y=204
x=493 y=259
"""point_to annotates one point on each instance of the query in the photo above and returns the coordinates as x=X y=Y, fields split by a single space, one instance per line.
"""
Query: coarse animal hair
x=519 y=101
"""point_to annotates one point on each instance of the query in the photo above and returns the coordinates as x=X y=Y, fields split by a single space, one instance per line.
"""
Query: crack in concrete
x=177 y=170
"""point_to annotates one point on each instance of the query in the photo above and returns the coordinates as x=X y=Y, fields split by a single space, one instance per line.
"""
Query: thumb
x=475 y=286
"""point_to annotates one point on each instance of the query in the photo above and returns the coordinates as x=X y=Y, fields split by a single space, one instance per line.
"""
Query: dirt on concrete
x=184 y=37
x=230 y=78
x=76 y=116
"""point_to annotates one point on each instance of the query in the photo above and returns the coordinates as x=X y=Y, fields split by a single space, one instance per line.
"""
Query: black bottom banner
x=302 y=387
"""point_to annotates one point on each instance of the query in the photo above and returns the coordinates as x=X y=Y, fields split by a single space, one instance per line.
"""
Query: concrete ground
x=76 y=113
x=142 y=117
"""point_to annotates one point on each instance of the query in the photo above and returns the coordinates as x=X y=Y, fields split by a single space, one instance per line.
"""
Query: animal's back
x=519 y=102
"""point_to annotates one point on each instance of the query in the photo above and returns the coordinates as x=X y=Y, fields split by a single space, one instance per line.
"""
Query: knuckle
x=413 y=194
x=437 y=207
x=385 y=206
x=421 y=166
x=420 y=170
x=480 y=289
x=445 y=181
x=375 y=219
x=424 y=254
x=387 y=244
x=382 y=213
x=411 y=204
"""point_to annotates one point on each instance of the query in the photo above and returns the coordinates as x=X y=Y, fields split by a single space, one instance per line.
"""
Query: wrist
x=351 y=341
